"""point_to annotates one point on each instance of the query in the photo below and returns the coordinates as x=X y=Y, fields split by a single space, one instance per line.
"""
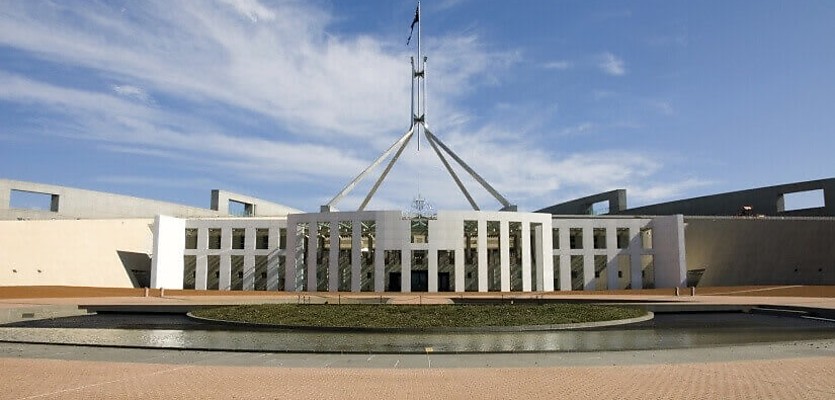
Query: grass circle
x=362 y=316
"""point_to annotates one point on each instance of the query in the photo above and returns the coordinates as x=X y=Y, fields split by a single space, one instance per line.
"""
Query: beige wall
x=73 y=252
x=761 y=251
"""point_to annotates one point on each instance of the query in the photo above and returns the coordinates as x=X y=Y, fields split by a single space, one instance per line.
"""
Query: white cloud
x=662 y=106
x=649 y=193
x=611 y=64
x=334 y=101
x=251 y=9
x=579 y=129
x=558 y=65
x=131 y=92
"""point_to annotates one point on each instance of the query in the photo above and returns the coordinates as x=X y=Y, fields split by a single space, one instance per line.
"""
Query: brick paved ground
x=805 y=378
x=809 y=377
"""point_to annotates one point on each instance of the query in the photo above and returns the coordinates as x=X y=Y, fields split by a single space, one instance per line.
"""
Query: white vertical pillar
x=356 y=255
x=249 y=272
x=460 y=274
x=225 y=280
x=565 y=269
x=588 y=256
x=546 y=255
x=565 y=254
x=312 y=250
x=482 y=255
x=290 y=263
x=612 y=254
x=504 y=254
x=333 y=258
x=433 y=269
x=249 y=259
x=167 y=267
x=406 y=268
x=635 y=249
x=202 y=267
x=526 y=256
x=379 y=256
x=538 y=261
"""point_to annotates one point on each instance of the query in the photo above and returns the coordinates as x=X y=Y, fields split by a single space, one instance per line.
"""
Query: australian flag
x=414 y=21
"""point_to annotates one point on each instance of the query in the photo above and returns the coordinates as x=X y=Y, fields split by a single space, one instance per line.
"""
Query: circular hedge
x=417 y=317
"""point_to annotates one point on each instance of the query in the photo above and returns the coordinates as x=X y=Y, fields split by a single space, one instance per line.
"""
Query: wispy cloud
x=131 y=92
x=558 y=65
x=610 y=64
x=321 y=105
x=251 y=9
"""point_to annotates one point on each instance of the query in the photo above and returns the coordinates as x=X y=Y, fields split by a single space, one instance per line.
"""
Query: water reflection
x=612 y=339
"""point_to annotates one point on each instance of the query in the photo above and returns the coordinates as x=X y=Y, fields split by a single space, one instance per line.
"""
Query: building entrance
x=443 y=282
x=394 y=282
x=420 y=281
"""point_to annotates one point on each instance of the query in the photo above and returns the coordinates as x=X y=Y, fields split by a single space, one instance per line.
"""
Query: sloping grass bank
x=411 y=316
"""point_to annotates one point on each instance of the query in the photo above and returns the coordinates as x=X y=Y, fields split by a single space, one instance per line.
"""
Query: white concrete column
x=202 y=268
x=406 y=268
x=292 y=260
x=588 y=256
x=538 y=262
x=433 y=269
x=526 y=257
x=612 y=255
x=225 y=279
x=565 y=269
x=356 y=256
x=333 y=257
x=312 y=249
x=167 y=267
x=379 y=258
x=249 y=259
x=482 y=255
x=635 y=250
x=547 y=256
x=249 y=272
x=504 y=254
x=460 y=274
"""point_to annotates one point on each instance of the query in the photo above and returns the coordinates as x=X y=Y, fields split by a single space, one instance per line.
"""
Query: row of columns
x=296 y=263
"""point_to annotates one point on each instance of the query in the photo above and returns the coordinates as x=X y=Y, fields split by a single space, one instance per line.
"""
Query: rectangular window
x=214 y=238
x=601 y=273
x=191 y=239
x=25 y=200
x=599 y=235
x=803 y=200
x=577 y=275
x=624 y=274
x=576 y=238
x=648 y=271
x=237 y=282
x=213 y=275
x=646 y=238
x=241 y=209
x=262 y=238
x=261 y=273
x=189 y=271
x=555 y=238
x=238 y=239
x=623 y=238
x=282 y=238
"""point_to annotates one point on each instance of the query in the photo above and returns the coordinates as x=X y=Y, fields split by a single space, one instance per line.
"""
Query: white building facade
x=383 y=251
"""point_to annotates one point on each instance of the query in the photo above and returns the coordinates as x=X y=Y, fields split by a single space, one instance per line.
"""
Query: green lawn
x=411 y=316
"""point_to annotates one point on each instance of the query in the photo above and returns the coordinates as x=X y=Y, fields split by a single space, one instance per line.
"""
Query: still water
x=666 y=331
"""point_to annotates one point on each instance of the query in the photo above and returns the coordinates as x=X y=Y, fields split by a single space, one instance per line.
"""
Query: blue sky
x=288 y=100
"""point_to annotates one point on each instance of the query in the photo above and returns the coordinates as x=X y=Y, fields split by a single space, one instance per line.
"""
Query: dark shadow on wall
x=138 y=267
